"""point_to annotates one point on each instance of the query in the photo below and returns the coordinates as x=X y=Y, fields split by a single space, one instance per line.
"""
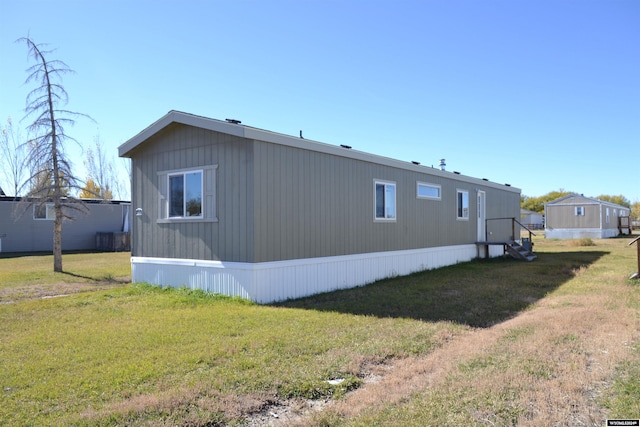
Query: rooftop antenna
x=442 y=164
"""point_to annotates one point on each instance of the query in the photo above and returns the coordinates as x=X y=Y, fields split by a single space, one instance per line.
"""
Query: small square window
x=185 y=195
x=579 y=210
x=44 y=212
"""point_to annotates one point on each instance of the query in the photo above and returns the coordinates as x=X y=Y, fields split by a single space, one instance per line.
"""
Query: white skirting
x=280 y=280
x=580 y=233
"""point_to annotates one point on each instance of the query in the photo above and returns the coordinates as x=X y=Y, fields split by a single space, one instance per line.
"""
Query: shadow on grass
x=101 y=279
x=46 y=253
x=479 y=293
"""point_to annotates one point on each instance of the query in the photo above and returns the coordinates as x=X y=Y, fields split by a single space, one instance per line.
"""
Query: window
x=463 y=204
x=428 y=191
x=185 y=195
x=45 y=212
x=607 y=209
x=579 y=210
x=385 y=200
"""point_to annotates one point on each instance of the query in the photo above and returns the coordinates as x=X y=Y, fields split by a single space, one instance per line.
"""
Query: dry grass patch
x=587 y=241
x=17 y=293
x=556 y=363
x=32 y=276
x=546 y=367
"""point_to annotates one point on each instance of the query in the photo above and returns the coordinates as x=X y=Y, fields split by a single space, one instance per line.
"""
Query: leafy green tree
x=536 y=204
x=618 y=200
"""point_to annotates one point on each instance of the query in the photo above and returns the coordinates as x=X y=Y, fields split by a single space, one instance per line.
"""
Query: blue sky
x=544 y=95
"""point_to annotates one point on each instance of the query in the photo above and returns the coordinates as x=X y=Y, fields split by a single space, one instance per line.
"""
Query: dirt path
x=577 y=342
x=19 y=293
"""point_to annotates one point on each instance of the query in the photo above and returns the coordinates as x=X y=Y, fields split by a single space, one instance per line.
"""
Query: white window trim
x=50 y=214
x=209 y=196
x=426 y=184
x=184 y=207
x=376 y=218
x=579 y=210
x=463 y=218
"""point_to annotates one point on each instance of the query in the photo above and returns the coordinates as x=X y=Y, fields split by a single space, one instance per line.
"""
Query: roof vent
x=348 y=147
x=233 y=121
x=442 y=164
x=414 y=162
x=456 y=172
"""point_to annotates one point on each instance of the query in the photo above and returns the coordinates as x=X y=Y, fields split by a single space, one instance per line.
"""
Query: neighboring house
x=31 y=230
x=532 y=220
x=576 y=216
x=241 y=211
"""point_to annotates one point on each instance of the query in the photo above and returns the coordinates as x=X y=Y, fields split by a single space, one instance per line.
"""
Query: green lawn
x=126 y=354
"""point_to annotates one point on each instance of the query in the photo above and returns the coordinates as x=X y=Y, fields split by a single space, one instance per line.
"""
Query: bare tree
x=52 y=179
x=100 y=171
x=125 y=191
x=12 y=158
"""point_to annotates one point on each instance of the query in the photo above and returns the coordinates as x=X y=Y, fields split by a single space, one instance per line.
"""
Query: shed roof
x=528 y=212
x=579 y=199
x=237 y=129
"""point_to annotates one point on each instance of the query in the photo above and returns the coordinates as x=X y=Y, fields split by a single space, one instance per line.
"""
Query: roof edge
x=257 y=134
x=593 y=201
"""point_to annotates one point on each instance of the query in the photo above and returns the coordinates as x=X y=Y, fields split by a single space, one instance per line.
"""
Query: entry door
x=482 y=216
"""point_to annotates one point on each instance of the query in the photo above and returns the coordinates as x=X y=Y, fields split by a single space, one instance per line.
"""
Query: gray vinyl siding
x=279 y=202
x=183 y=147
x=313 y=204
x=564 y=216
x=20 y=232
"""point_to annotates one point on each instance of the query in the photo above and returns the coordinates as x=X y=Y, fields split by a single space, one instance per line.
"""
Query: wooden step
x=518 y=251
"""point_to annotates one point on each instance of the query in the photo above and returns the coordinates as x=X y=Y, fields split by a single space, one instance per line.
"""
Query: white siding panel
x=580 y=233
x=496 y=251
x=280 y=280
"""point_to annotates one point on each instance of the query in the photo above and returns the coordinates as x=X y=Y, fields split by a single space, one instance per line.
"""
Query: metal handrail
x=636 y=240
x=513 y=227
x=513 y=219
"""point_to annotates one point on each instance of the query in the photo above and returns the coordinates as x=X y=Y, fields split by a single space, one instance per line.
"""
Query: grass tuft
x=586 y=241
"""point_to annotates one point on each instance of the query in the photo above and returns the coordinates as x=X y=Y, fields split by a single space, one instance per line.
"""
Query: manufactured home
x=241 y=211
x=576 y=216
x=28 y=227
